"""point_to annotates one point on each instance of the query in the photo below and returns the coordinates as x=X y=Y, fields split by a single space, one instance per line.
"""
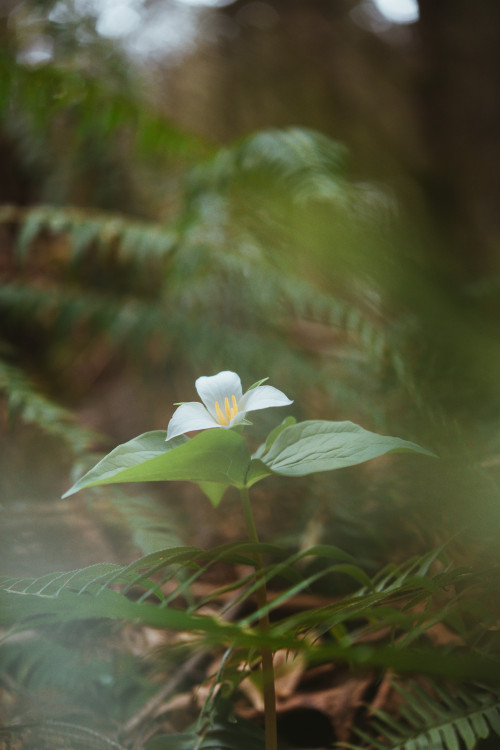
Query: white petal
x=217 y=388
x=262 y=397
x=191 y=416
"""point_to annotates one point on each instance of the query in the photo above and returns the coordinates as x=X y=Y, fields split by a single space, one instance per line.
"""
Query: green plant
x=183 y=256
x=439 y=717
x=216 y=459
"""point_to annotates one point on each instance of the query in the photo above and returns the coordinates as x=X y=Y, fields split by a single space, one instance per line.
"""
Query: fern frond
x=214 y=250
x=48 y=734
x=303 y=163
x=144 y=591
x=25 y=400
x=279 y=173
x=130 y=322
x=408 y=600
x=41 y=661
x=196 y=282
x=439 y=718
x=127 y=239
x=149 y=526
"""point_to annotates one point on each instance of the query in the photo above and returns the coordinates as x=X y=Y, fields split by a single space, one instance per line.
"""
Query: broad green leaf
x=214 y=491
x=287 y=422
x=216 y=459
x=257 y=471
x=312 y=446
x=217 y=456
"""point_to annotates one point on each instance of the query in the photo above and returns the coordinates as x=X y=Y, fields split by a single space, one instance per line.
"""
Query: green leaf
x=258 y=383
x=217 y=459
x=287 y=422
x=466 y=733
x=257 y=471
x=319 y=445
x=213 y=491
x=450 y=737
x=69 y=606
x=215 y=456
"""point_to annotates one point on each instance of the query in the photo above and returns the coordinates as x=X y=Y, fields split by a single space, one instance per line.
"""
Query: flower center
x=229 y=411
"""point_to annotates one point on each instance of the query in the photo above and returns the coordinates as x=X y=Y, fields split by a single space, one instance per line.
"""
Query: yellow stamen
x=234 y=410
x=229 y=412
x=220 y=416
x=227 y=409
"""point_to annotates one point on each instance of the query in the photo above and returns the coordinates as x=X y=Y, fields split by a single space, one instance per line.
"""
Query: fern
x=47 y=734
x=439 y=718
x=262 y=191
x=146 y=519
x=391 y=592
x=192 y=268
x=195 y=283
x=222 y=282
x=131 y=322
x=303 y=165
x=145 y=590
x=84 y=667
x=132 y=240
x=33 y=408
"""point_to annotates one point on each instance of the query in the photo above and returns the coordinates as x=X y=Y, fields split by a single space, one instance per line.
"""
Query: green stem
x=266 y=654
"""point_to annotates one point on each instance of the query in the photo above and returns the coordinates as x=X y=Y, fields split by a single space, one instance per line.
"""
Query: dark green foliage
x=240 y=733
x=438 y=718
x=389 y=599
x=410 y=598
x=45 y=735
x=25 y=401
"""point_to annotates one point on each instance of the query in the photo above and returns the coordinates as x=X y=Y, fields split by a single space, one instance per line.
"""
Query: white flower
x=224 y=404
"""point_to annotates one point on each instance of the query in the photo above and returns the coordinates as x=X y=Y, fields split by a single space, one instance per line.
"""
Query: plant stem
x=266 y=654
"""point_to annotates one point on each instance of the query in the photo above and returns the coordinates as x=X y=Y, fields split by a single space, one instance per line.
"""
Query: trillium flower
x=224 y=404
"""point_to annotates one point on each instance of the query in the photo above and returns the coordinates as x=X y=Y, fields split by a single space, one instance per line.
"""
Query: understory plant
x=407 y=600
x=219 y=457
x=216 y=458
